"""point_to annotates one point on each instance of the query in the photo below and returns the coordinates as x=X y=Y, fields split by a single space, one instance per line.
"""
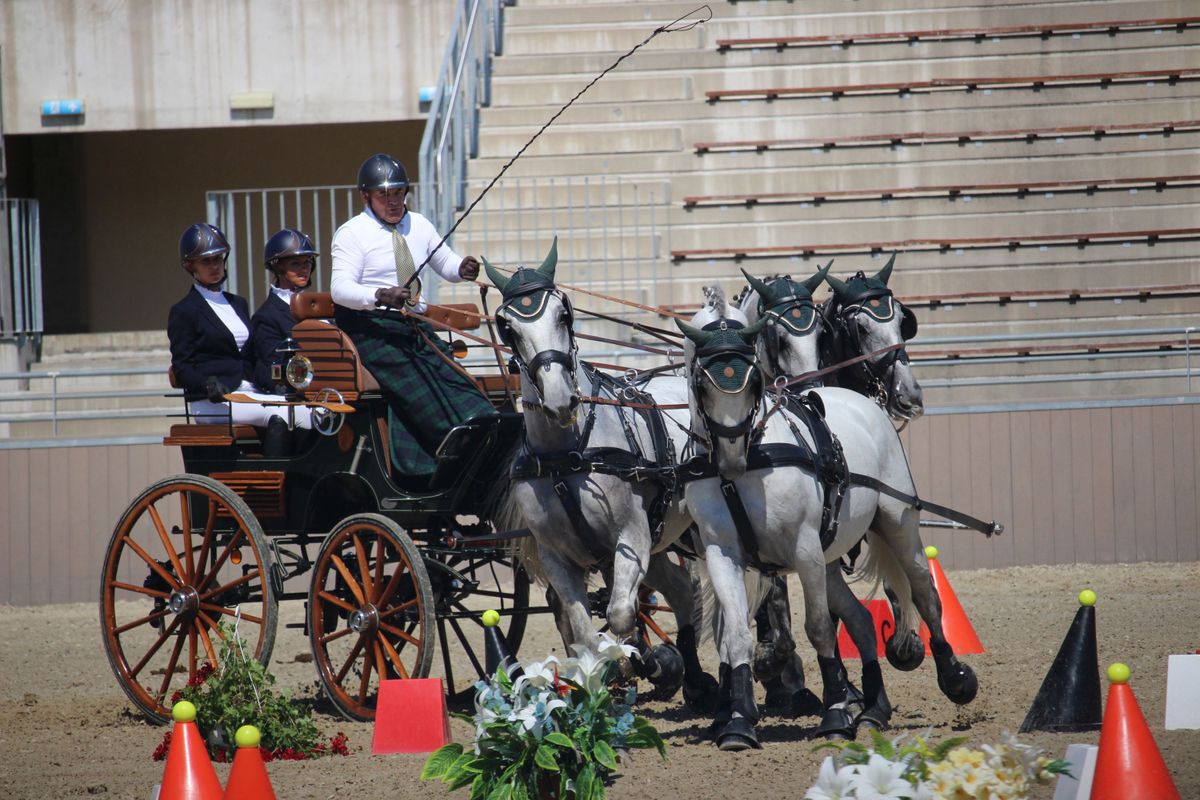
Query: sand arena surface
x=67 y=730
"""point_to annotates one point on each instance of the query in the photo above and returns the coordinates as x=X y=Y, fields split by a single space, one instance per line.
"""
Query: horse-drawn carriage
x=393 y=565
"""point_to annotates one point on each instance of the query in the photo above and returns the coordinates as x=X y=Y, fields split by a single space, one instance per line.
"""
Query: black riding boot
x=277 y=441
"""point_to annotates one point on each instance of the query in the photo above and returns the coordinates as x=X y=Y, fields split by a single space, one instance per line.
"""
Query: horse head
x=535 y=322
x=864 y=317
x=789 y=345
x=725 y=381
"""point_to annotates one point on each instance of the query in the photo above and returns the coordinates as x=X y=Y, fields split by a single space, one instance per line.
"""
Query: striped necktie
x=405 y=266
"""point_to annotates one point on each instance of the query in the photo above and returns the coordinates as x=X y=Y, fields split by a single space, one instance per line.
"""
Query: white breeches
x=207 y=412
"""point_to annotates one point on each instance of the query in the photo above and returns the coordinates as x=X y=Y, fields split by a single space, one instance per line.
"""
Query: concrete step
x=1031 y=222
x=685 y=165
x=505 y=143
x=554 y=91
x=614 y=39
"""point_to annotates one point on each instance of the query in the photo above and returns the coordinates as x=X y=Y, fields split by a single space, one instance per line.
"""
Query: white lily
x=832 y=783
x=880 y=779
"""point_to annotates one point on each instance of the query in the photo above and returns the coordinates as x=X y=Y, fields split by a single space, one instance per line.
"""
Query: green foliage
x=241 y=693
x=557 y=731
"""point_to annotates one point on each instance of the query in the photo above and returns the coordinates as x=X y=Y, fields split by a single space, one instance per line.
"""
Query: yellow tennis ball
x=931 y=552
x=491 y=618
x=183 y=711
x=247 y=736
x=1118 y=673
x=1087 y=598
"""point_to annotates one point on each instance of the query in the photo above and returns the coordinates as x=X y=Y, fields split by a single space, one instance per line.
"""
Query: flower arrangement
x=241 y=693
x=914 y=770
x=556 y=731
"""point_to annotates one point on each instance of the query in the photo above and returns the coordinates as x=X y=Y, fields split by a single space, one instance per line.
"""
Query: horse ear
x=698 y=336
x=813 y=283
x=839 y=288
x=547 y=267
x=885 y=273
x=496 y=276
x=763 y=290
x=750 y=333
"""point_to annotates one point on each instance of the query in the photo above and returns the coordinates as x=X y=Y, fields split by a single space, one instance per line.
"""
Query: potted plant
x=557 y=730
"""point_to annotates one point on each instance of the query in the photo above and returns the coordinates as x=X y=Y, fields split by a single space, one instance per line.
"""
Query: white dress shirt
x=364 y=261
x=226 y=313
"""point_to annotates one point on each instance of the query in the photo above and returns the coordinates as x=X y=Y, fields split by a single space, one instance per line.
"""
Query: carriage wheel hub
x=365 y=619
x=184 y=601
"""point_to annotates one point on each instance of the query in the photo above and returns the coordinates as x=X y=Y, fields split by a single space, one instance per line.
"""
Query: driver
x=374 y=256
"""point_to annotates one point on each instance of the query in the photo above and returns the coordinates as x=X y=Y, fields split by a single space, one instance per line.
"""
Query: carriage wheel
x=465 y=584
x=187 y=553
x=370 y=612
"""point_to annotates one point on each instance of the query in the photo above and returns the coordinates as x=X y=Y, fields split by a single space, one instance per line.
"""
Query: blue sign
x=62 y=108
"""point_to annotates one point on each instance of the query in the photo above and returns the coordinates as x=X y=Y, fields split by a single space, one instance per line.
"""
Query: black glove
x=215 y=389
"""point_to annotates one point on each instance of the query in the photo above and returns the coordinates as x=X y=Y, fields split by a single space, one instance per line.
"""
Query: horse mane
x=714 y=300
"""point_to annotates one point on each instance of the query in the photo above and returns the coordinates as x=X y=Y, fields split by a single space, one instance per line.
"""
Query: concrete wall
x=1076 y=486
x=159 y=64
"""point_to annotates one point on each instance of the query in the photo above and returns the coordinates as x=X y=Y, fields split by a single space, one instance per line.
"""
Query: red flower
x=160 y=752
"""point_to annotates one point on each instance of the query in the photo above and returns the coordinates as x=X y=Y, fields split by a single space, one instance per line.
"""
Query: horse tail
x=882 y=566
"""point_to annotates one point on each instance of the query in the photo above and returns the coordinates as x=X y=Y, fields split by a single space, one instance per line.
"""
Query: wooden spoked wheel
x=187 y=554
x=370 y=612
x=466 y=583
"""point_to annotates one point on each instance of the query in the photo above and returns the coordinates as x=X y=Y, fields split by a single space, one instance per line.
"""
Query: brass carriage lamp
x=289 y=368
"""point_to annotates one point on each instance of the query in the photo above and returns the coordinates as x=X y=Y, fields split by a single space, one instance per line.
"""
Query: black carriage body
x=391 y=564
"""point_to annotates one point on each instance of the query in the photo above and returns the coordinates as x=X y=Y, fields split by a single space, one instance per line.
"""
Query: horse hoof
x=910 y=660
x=669 y=672
x=702 y=696
x=737 y=735
x=961 y=686
x=874 y=718
x=836 y=724
x=806 y=704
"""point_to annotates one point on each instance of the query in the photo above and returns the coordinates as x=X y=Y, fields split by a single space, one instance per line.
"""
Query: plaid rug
x=426 y=397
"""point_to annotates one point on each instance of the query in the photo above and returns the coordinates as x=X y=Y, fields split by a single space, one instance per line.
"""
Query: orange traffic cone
x=881 y=616
x=189 y=773
x=1128 y=766
x=955 y=625
x=248 y=778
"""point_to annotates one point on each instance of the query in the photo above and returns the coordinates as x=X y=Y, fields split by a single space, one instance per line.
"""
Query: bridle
x=875 y=376
x=721 y=353
x=792 y=316
x=528 y=303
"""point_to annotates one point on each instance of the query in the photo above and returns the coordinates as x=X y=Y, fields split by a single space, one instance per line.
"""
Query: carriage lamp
x=299 y=372
x=283 y=354
x=235 y=557
x=459 y=348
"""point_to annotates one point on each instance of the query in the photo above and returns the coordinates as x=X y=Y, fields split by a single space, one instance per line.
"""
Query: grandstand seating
x=971 y=84
x=954 y=137
x=1044 y=31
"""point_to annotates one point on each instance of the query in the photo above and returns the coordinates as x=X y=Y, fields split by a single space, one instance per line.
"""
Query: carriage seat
x=335 y=359
x=196 y=434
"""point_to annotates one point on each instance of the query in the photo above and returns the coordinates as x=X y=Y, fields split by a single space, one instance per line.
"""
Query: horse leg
x=776 y=663
x=737 y=714
x=836 y=722
x=678 y=588
x=874 y=709
x=569 y=584
x=955 y=679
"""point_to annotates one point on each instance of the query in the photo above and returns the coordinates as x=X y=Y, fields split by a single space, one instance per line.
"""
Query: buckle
x=560 y=488
x=728 y=488
x=575 y=461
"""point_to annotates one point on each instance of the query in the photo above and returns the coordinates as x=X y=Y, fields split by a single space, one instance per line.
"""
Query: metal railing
x=481 y=359
x=20 y=270
x=464 y=86
x=612 y=227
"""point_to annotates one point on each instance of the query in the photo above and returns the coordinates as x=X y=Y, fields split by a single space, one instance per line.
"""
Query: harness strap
x=745 y=529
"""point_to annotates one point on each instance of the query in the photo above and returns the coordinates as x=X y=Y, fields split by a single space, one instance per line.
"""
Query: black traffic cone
x=1069 y=699
x=495 y=649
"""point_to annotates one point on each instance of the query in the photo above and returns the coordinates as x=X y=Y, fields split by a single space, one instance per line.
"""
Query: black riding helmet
x=287 y=243
x=202 y=240
x=381 y=171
